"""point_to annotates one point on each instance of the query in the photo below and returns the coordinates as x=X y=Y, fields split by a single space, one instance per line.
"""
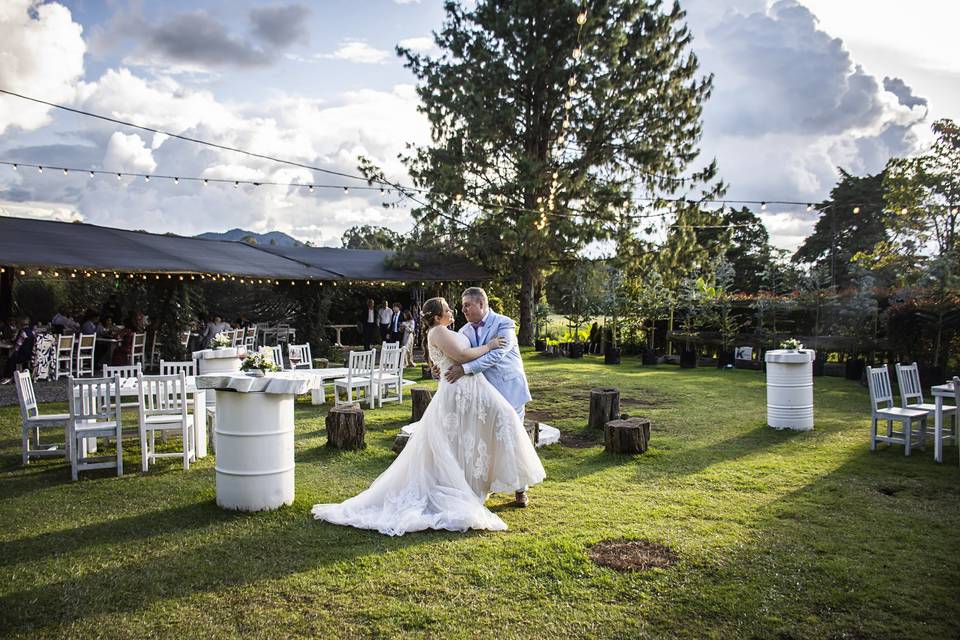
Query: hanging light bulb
x=176 y=181
x=205 y=182
x=582 y=18
x=65 y=172
x=577 y=53
x=311 y=189
x=119 y=177
x=236 y=183
x=856 y=210
x=14 y=166
x=763 y=206
x=146 y=178
x=458 y=197
x=809 y=208
x=568 y=105
x=572 y=82
x=903 y=211
x=39 y=169
x=382 y=192
x=346 y=191
x=91 y=173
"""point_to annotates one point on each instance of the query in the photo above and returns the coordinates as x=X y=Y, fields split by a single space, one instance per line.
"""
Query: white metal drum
x=255 y=463
x=790 y=389
x=225 y=360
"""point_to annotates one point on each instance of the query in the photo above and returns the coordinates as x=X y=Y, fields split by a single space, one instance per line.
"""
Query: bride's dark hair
x=431 y=311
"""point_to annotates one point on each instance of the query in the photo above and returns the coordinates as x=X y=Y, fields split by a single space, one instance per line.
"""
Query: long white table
x=940 y=392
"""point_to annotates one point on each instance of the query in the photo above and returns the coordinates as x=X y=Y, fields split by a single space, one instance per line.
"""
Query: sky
x=801 y=87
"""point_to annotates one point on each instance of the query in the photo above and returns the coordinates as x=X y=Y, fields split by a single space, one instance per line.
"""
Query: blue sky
x=800 y=88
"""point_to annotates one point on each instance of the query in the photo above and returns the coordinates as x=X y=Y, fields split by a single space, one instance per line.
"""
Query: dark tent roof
x=358 y=264
x=26 y=242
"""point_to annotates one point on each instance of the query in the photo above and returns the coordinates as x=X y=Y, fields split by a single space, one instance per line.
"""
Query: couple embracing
x=470 y=442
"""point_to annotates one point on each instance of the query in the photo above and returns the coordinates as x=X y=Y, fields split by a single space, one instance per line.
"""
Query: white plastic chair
x=94 y=413
x=33 y=421
x=139 y=349
x=359 y=377
x=388 y=383
x=277 y=352
x=250 y=339
x=86 y=346
x=236 y=338
x=64 y=354
x=128 y=375
x=911 y=397
x=388 y=346
x=881 y=394
x=163 y=407
x=174 y=367
x=299 y=356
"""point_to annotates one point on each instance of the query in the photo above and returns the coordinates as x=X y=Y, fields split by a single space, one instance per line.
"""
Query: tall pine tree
x=535 y=151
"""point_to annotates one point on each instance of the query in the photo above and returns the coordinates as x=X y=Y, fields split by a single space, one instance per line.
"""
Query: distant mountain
x=272 y=239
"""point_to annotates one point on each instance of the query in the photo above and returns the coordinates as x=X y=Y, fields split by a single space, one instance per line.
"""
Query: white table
x=338 y=328
x=254 y=437
x=940 y=392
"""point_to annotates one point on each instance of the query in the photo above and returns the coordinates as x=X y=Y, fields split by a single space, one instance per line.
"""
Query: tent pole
x=6 y=293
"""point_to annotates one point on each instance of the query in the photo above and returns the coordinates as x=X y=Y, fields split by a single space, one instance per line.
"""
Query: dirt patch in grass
x=632 y=555
x=889 y=490
x=583 y=439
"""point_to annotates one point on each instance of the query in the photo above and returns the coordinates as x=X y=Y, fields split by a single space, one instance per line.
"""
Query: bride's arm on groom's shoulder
x=506 y=330
x=447 y=342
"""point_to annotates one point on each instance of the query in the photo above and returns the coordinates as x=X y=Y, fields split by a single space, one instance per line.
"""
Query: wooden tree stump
x=425 y=372
x=421 y=400
x=626 y=436
x=345 y=428
x=400 y=442
x=604 y=406
x=533 y=430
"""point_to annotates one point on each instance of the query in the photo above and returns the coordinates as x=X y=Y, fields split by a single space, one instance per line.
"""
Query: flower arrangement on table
x=221 y=341
x=258 y=362
x=791 y=344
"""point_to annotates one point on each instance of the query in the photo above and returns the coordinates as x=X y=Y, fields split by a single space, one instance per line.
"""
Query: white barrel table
x=790 y=388
x=254 y=436
x=223 y=360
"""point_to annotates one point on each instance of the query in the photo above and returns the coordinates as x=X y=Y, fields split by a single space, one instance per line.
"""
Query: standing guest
x=396 y=331
x=22 y=349
x=384 y=317
x=215 y=326
x=369 y=323
x=409 y=328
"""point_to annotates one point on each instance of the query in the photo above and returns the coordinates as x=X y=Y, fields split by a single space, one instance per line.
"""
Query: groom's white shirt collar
x=485 y=316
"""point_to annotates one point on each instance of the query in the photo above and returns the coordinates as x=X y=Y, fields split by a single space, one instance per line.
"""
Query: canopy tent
x=28 y=243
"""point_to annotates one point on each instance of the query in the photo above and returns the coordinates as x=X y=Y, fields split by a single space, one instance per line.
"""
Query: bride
x=470 y=443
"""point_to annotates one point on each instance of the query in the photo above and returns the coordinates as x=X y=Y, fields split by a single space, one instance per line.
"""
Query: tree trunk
x=527 y=305
x=420 y=401
x=345 y=428
x=626 y=436
x=604 y=406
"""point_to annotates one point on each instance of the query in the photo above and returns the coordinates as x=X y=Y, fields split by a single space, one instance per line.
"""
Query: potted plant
x=257 y=364
x=791 y=344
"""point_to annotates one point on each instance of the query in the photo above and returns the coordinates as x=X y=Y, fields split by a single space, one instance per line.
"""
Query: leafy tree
x=852 y=221
x=524 y=167
x=371 y=237
x=749 y=251
x=577 y=291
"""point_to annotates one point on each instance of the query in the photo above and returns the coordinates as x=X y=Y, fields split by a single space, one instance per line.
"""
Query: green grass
x=779 y=535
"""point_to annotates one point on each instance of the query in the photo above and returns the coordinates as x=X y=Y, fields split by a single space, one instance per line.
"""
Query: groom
x=502 y=367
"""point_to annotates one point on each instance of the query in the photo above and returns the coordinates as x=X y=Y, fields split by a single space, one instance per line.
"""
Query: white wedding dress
x=470 y=443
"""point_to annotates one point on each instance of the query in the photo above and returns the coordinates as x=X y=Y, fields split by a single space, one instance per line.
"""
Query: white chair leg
x=186 y=448
x=143 y=451
x=889 y=428
x=25 y=432
x=119 y=454
x=873 y=434
x=908 y=435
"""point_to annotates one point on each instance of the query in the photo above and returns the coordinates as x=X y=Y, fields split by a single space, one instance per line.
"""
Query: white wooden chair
x=86 y=345
x=250 y=339
x=878 y=379
x=360 y=370
x=184 y=341
x=911 y=397
x=163 y=407
x=127 y=373
x=174 y=367
x=299 y=356
x=388 y=383
x=277 y=352
x=64 y=362
x=154 y=353
x=33 y=421
x=139 y=349
x=236 y=338
x=388 y=346
x=94 y=413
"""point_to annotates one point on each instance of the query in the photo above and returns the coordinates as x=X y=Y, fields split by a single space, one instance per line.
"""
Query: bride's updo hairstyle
x=431 y=312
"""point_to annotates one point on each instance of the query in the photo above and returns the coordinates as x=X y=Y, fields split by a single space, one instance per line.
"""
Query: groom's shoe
x=522 y=499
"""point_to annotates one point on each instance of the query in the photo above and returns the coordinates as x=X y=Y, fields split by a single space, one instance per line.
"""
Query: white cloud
x=419 y=44
x=128 y=153
x=41 y=54
x=359 y=52
x=40 y=210
x=406 y=1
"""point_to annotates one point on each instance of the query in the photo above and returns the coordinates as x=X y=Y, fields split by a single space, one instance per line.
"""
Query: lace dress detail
x=469 y=443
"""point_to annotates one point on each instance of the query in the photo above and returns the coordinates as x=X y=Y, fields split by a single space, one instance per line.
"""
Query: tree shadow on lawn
x=840 y=557
x=285 y=542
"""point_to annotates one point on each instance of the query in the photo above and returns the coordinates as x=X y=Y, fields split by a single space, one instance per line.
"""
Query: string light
x=809 y=208
x=582 y=17
x=146 y=178
x=39 y=169
x=856 y=210
x=176 y=181
x=346 y=190
x=763 y=206
x=65 y=172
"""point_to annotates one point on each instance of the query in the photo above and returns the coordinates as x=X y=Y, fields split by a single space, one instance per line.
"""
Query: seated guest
x=8 y=330
x=133 y=325
x=91 y=323
x=63 y=322
x=22 y=349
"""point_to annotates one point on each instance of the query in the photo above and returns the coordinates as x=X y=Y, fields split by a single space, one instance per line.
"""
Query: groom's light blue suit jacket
x=502 y=367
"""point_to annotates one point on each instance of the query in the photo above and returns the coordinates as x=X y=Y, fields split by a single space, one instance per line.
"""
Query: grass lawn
x=778 y=535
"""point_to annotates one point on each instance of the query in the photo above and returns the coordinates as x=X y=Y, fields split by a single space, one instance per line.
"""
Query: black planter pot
x=576 y=350
x=540 y=345
x=649 y=356
x=854 y=368
x=688 y=359
x=725 y=358
x=612 y=356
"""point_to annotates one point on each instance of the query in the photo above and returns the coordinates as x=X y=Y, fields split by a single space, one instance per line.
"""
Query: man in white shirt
x=384 y=316
x=369 y=322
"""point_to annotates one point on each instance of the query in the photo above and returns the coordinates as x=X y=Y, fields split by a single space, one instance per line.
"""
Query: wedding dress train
x=470 y=443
